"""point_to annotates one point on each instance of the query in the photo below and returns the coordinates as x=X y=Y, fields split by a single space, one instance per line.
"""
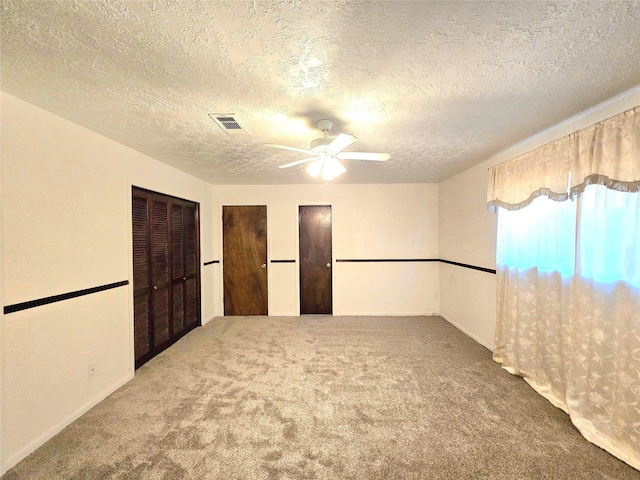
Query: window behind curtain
x=596 y=236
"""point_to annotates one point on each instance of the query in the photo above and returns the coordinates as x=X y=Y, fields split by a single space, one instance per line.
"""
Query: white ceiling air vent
x=229 y=123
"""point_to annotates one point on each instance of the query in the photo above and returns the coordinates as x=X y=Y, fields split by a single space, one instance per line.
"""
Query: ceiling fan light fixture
x=315 y=168
x=327 y=169
x=331 y=169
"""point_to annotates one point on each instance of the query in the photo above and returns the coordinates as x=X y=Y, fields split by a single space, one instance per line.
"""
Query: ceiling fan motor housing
x=325 y=125
x=320 y=144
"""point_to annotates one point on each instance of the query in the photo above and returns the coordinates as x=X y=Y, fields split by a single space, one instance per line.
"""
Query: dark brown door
x=141 y=281
x=184 y=271
x=166 y=272
x=315 y=259
x=178 y=270
x=191 y=276
x=160 y=273
x=244 y=260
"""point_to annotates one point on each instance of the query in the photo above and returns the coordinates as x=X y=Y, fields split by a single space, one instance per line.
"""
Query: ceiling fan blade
x=376 y=157
x=284 y=147
x=298 y=162
x=341 y=142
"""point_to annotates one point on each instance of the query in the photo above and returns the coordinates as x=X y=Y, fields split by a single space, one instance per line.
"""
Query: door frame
x=333 y=255
x=220 y=293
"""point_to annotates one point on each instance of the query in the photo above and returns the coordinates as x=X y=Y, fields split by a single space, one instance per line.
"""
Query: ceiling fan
x=327 y=152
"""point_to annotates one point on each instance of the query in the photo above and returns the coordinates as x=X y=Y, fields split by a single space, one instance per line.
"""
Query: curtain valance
x=606 y=153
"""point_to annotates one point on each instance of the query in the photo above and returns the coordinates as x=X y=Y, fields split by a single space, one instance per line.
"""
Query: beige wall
x=369 y=222
x=468 y=235
x=66 y=216
x=468 y=229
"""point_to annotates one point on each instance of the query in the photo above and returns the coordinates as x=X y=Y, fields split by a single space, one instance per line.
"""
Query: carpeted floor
x=320 y=397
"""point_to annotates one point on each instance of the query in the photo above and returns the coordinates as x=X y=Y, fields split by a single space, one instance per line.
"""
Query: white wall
x=369 y=222
x=2 y=467
x=468 y=229
x=468 y=235
x=66 y=226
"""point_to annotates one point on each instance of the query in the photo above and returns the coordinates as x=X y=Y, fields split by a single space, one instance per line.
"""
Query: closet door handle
x=155 y=287
x=263 y=266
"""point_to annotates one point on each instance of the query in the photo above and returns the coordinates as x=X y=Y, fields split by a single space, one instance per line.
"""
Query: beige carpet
x=322 y=397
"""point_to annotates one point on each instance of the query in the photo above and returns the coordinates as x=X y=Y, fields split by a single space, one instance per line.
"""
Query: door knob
x=155 y=287
x=328 y=265
x=264 y=265
x=184 y=278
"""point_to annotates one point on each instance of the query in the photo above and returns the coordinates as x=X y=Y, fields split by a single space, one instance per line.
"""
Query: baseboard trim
x=466 y=332
x=207 y=321
x=52 y=432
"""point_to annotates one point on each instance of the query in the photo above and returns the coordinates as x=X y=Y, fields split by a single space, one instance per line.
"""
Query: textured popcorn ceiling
x=441 y=86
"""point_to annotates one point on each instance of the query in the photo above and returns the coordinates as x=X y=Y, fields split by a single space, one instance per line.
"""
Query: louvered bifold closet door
x=192 y=266
x=141 y=271
x=160 y=272
x=166 y=271
x=177 y=268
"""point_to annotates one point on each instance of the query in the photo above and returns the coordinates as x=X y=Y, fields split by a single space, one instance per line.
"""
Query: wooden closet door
x=178 y=268
x=192 y=266
x=166 y=271
x=160 y=273
x=315 y=259
x=141 y=272
x=185 y=271
x=244 y=260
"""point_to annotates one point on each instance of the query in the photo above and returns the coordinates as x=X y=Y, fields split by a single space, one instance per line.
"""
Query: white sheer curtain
x=568 y=271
